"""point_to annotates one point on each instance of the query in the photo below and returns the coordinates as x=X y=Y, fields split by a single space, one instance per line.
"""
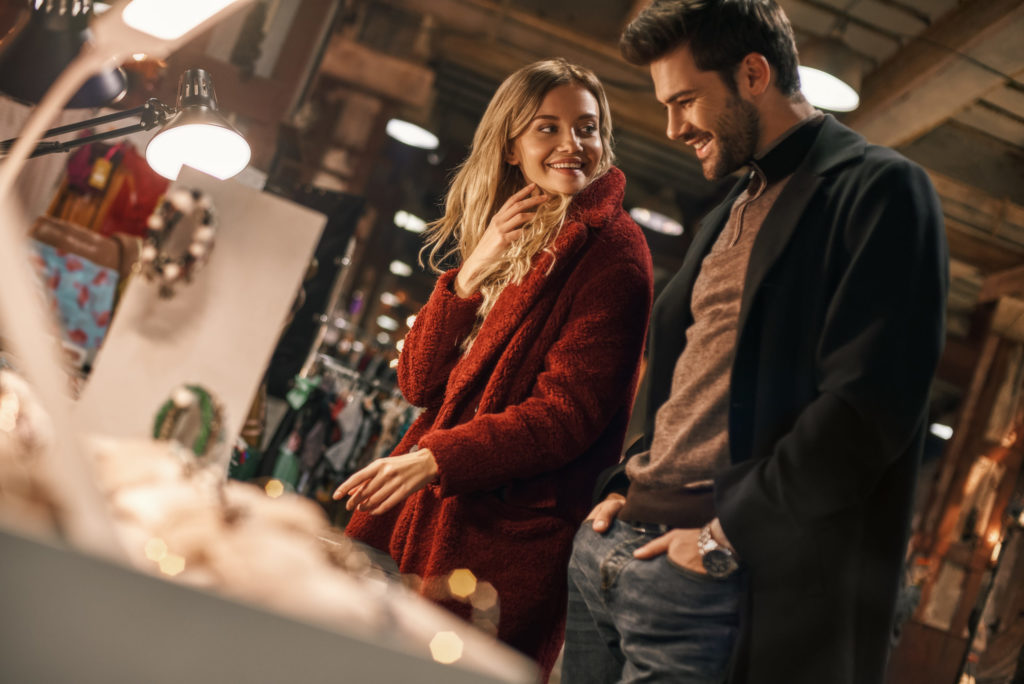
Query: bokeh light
x=156 y=549
x=462 y=583
x=485 y=597
x=172 y=564
x=446 y=647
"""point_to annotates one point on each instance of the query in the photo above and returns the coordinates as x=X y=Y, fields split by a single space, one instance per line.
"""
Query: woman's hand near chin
x=506 y=227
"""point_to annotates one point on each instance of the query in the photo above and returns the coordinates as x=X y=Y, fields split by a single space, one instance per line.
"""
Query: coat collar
x=833 y=146
x=595 y=206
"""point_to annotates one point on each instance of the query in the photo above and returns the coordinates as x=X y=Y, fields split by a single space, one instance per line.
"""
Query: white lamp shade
x=215 y=150
x=824 y=90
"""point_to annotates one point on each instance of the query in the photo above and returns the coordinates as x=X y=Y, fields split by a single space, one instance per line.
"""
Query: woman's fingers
x=384 y=492
x=520 y=201
x=514 y=222
x=512 y=210
x=368 y=489
x=389 y=503
x=352 y=483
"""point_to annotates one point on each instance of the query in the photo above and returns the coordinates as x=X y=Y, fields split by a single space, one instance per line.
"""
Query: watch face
x=718 y=563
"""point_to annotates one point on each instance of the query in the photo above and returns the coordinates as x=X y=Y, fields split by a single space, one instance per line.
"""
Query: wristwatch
x=718 y=560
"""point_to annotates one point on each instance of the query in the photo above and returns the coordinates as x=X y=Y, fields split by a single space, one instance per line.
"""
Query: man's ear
x=754 y=74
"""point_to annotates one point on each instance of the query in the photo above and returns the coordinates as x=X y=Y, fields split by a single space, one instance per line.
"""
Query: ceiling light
x=400 y=268
x=390 y=299
x=387 y=322
x=410 y=222
x=198 y=136
x=941 y=431
x=410 y=320
x=411 y=134
x=830 y=75
x=659 y=223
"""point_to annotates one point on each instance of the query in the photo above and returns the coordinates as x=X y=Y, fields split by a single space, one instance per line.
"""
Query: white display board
x=218 y=331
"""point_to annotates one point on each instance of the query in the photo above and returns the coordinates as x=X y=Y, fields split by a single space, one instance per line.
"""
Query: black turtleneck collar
x=785 y=154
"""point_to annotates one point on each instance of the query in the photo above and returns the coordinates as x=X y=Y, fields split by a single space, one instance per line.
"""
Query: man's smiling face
x=705 y=113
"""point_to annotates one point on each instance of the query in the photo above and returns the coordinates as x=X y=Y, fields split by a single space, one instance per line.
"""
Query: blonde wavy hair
x=485 y=180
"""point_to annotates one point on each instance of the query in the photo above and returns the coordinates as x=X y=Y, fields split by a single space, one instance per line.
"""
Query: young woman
x=525 y=359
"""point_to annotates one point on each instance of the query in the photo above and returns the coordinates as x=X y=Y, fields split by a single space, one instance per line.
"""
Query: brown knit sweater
x=672 y=483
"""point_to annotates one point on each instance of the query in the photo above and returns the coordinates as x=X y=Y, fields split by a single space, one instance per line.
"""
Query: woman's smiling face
x=561 y=147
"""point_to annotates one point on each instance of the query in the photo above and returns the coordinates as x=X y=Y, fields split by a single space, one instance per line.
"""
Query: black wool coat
x=840 y=331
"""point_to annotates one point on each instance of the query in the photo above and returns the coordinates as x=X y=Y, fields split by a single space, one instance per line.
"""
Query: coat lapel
x=834 y=145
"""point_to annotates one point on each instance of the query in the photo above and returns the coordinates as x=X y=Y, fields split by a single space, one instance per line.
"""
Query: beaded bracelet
x=172 y=411
x=156 y=264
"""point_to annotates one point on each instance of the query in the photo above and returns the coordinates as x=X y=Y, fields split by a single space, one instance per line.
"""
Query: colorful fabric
x=80 y=291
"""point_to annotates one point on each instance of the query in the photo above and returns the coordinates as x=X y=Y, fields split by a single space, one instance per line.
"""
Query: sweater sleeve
x=586 y=378
x=432 y=346
x=876 y=355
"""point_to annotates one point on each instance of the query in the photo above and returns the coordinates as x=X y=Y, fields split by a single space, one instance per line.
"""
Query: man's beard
x=736 y=134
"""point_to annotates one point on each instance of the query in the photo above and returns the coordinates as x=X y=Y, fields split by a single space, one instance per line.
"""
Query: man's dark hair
x=719 y=33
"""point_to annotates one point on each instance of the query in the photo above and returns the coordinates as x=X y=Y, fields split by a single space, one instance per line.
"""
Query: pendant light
x=830 y=75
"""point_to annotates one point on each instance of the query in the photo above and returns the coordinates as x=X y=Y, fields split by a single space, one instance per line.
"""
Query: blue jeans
x=644 y=620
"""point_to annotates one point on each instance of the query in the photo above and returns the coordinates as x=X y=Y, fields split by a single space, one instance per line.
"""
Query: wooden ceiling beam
x=538 y=38
x=1008 y=282
x=389 y=77
x=977 y=249
x=907 y=81
x=641 y=114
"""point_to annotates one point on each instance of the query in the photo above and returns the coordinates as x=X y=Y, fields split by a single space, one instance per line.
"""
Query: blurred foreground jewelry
x=158 y=264
x=189 y=410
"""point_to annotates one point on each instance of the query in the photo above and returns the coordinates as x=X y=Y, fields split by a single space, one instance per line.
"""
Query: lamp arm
x=153 y=113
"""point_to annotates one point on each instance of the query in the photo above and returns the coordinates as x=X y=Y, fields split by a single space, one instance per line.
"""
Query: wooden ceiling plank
x=391 y=78
x=998 y=208
x=1008 y=282
x=1009 y=98
x=541 y=38
x=842 y=15
x=922 y=59
x=642 y=115
x=993 y=122
x=979 y=252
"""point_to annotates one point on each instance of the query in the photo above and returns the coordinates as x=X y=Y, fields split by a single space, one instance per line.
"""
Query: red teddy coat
x=522 y=424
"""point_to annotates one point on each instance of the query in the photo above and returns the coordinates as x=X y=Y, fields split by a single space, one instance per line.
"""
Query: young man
x=760 y=536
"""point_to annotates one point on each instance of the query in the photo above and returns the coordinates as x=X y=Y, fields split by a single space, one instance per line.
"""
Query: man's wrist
x=718 y=534
x=718 y=560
